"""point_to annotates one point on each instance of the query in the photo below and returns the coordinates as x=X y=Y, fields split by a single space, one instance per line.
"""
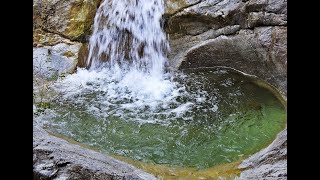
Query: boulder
x=71 y=19
x=52 y=61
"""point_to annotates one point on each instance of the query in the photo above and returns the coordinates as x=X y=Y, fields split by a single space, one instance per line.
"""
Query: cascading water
x=128 y=47
x=127 y=104
x=128 y=36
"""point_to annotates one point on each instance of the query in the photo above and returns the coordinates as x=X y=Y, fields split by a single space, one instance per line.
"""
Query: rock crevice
x=173 y=6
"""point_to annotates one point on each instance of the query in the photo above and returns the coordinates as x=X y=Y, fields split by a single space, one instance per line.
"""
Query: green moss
x=41 y=107
x=68 y=54
x=81 y=18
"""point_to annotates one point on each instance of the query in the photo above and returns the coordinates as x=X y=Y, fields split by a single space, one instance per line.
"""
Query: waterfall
x=128 y=36
x=126 y=62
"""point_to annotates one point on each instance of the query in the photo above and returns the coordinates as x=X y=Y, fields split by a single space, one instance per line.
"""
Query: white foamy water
x=126 y=66
x=144 y=98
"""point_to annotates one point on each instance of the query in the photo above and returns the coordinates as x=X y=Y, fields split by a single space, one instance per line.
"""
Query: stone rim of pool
x=238 y=72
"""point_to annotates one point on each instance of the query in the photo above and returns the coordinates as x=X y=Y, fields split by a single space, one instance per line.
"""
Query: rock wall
x=248 y=35
x=60 y=28
x=71 y=19
x=53 y=55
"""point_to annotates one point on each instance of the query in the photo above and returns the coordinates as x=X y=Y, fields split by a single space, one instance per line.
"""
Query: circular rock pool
x=212 y=116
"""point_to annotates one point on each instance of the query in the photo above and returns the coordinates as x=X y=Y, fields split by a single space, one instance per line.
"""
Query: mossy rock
x=81 y=18
x=41 y=38
x=68 y=54
x=70 y=19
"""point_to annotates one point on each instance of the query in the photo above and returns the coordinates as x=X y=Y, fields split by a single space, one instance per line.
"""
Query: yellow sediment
x=226 y=171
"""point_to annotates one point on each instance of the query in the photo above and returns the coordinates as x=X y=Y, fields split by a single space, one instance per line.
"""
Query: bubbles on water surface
x=186 y=118
x=135 y=96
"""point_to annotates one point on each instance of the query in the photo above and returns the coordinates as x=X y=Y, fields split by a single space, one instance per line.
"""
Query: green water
x=231 y=117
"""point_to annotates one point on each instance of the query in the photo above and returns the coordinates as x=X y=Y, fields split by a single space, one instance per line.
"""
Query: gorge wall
x=250 y=36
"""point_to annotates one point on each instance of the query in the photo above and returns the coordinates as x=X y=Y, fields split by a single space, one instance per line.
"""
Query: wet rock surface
x=52 y=61
x=269 y=163
x=55 y=158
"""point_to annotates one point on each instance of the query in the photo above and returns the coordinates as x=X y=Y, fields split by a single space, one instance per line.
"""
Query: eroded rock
x=174 y=6
x=53 y=57
x=55 y=158
x=260 y=52
x=42 y=38
x=269 y=163
x=247 y=35
x=214 y=14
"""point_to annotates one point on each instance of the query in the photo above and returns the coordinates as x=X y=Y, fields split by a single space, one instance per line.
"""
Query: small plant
x=41 y=83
